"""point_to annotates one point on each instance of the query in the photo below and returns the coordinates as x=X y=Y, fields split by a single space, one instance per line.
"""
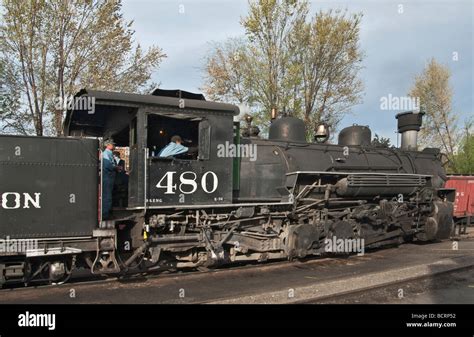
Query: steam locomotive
x=236 y=198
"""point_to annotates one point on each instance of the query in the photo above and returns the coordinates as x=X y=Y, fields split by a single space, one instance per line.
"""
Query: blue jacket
x=172 y=149
x=108 y=164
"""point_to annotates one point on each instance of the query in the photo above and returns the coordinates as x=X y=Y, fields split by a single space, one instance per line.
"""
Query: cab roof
x=106 y=100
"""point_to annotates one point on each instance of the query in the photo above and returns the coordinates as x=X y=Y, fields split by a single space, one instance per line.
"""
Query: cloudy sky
x=397 y=45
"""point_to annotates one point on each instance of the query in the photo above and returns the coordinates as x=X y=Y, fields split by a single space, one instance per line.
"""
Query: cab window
x=161 y=130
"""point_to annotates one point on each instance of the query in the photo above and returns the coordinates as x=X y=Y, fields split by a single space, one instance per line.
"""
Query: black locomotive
x=236 y=198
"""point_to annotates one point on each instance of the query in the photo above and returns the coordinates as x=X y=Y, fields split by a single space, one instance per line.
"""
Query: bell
x=322 y=133
x=248 y=118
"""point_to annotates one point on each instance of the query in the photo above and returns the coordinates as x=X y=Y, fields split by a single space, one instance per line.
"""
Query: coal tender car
x=235 y=197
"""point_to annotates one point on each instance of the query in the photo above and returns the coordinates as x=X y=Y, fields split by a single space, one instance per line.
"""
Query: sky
x=397 y=37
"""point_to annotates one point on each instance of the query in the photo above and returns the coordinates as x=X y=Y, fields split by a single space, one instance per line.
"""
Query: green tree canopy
x=300 y=66
x=464 y=159
x=434 y=92
x=9 y=100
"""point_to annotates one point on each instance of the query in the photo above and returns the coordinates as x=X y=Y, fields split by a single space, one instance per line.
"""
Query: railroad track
x=92 y=279
x=239 y=284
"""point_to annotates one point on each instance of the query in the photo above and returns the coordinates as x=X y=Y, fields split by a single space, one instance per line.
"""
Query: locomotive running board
x=341 y=173
x=247 y=204
x=309 y=177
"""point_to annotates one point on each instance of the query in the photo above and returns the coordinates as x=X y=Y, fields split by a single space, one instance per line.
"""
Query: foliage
x=440 y=121
x=379 y=141
x=464 y=159
x=300 y=66
x=9 y=100
x=58 y=47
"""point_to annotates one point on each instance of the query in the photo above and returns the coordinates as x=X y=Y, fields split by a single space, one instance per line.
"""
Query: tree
x=464 y=159
x=9 y=101
x=61 y=46
x=270 y=26
x=301 y=67
x=225 y=74
x=380 y=141
x=439 y=125
x=328 y=59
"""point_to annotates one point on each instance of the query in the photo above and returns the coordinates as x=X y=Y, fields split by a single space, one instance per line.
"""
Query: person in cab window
x=173 y=148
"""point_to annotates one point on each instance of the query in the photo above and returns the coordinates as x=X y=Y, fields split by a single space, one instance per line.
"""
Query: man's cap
x=109 y=142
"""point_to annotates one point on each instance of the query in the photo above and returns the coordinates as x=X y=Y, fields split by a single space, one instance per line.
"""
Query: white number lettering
x=215 y=182
x=170 y=188
x=190 y=182
x=188 y=178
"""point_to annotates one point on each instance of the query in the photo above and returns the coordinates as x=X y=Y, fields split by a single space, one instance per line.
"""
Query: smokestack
x=409 y=124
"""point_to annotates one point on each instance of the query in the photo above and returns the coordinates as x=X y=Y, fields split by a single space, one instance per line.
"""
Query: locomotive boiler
x=236 y=197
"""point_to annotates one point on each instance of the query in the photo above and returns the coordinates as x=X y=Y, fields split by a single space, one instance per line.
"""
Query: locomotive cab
x=144 y=125
x=193 y=177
